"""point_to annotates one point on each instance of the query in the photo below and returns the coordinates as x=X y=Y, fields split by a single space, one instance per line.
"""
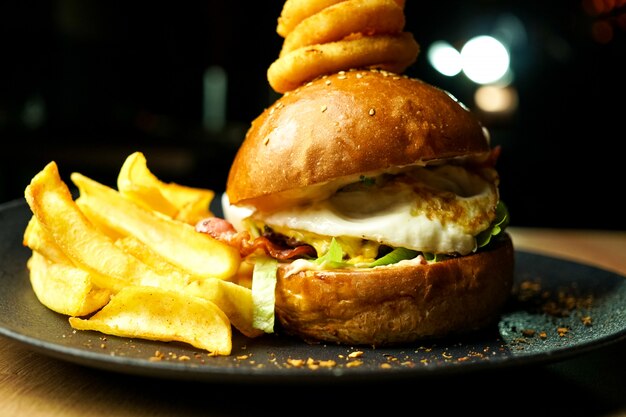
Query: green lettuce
x=497 y=226
x=263 y=297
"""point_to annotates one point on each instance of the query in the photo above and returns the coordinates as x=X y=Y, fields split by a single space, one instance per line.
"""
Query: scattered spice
x=562 y=331
x=586 y=320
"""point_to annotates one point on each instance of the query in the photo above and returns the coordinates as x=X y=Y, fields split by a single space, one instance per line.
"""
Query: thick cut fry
x=155 y=314
x=111 y=267
x=178 y=242
x=136 y=182
x=155 y=261
x=94 y=218
x=37 y=239
x=233 y=299
x=64 y=288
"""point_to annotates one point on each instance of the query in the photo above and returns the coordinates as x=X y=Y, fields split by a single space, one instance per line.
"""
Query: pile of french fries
x=129 y=263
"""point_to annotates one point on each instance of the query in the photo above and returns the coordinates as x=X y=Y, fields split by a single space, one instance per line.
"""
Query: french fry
x=233 y=299
x=195 y=208
x=178 y=242
x=51 y=202
x=156 y=314
x=133 y=261
x=187 y=204
x=98 y=222
x=37 y=239
x=137 y=183
x=155 y=261
x=64 y=288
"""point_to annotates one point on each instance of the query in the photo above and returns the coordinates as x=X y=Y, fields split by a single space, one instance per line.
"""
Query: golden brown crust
x=346 y=124
x=397 y=304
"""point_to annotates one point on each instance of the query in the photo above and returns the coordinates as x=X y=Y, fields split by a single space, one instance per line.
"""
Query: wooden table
x=591 y=384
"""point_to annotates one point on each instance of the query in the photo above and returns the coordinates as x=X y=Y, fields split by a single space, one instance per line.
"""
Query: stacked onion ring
x=327 y=36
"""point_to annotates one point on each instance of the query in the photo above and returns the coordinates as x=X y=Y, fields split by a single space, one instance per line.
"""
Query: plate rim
x=177 y=370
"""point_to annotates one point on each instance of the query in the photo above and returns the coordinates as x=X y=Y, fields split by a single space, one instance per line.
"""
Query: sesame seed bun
x=347 y=124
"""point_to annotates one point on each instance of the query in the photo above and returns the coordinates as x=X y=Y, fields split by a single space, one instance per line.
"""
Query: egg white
x=436 y=209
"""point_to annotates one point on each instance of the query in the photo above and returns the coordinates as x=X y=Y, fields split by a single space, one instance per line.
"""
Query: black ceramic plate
x=559 y=309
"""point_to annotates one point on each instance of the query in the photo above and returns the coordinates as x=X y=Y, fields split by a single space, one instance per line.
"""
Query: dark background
x=85 y=83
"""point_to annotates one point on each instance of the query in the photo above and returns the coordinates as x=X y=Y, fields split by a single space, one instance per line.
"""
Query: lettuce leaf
x=333 y=258
x=263 y=298
x=396 y=255
x=497 y=226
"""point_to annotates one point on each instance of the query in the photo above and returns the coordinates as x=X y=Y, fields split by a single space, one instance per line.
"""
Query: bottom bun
x=400 y=303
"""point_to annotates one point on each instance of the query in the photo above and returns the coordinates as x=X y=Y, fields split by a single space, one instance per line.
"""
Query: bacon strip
x=224 y=231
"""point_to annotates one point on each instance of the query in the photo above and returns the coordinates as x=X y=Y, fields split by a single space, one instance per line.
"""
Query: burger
x=373 y=197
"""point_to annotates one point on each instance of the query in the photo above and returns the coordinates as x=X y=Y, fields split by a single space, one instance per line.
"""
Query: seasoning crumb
x=356 y=354
x=385 y=366
x=528 y=332
x=295 y=362
x=586 y=320
x=158 y=356
x=354 y=364
x=184 y=358
x=328 y=363
x=242 y=357
x=562 y=331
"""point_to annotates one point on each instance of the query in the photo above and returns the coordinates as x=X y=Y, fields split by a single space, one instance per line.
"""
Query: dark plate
x=559 y=309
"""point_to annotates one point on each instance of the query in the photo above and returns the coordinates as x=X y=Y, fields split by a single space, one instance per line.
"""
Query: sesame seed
x=324 y=107
x=359 y=75
x=266 y=140
x=327 y=82
x=372 y=112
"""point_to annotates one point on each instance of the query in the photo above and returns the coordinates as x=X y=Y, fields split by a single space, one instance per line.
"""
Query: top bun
x=346 y=124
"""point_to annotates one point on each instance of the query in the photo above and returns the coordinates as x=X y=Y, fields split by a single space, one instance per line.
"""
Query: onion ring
x=295 y=11
x=369 y=17
x=389 y=53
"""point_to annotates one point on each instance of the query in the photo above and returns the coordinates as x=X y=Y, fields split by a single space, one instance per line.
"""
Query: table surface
x=591 y=384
